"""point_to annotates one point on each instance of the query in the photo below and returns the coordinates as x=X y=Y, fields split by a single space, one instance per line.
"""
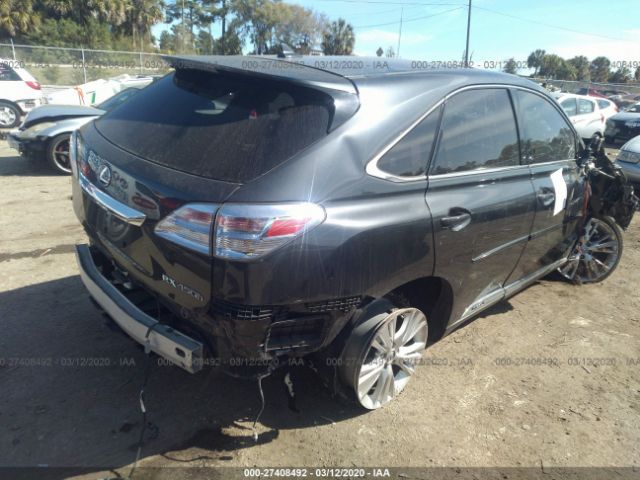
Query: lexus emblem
x=104 y=175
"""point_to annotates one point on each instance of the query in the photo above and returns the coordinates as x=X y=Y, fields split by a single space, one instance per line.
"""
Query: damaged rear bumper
x=162 y=339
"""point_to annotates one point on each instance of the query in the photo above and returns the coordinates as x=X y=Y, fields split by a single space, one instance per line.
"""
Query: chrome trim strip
x=167 y=342
x=506 y=292
x=119 y=209
x=480 y=172
x=518 y=285
x=372 y=166
x=499 y=248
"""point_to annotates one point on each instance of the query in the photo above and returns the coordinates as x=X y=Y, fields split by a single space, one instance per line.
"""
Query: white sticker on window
x=560 y=189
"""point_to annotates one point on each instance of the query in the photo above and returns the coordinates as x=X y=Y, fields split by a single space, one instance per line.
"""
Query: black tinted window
x=585 y=106
x=545 y=134
x=117 y=99
x=7 y=73
x=478 y=131
x=230 y=128
x=569 y=106
x=409 y=157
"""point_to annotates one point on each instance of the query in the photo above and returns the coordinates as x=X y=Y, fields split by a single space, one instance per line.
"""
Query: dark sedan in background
x=623 y=126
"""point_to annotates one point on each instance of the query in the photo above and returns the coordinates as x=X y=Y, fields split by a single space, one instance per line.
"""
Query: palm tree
x=140 y=16
x=535 y=60
x=82 y=11
x=339 y=39
x=16 y=17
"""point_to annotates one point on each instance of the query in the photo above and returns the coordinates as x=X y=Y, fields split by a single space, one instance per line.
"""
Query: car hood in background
x=632 y=145
x=623 y=116
x=59 y=112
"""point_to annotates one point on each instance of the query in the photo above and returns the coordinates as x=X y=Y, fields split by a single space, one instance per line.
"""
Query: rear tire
x=9 y=115
x=58 y=154
x=381 y=354
x=598 y=256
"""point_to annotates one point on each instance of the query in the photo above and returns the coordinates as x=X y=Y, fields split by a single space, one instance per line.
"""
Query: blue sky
x=436 y=29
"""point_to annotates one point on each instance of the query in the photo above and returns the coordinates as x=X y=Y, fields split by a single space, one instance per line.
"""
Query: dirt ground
x=485 y=397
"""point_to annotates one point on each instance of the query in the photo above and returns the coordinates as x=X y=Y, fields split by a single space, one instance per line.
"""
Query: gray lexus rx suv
x=250 y=210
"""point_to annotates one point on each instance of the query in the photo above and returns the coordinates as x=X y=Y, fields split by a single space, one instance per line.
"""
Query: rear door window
x=603 y=104
x=585 y=106
x=478 y=131
x=7 y=74
x=230 y=128
x=545 y=134
x=570 y=107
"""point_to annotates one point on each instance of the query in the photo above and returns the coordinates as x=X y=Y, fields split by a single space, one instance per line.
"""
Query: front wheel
x=381 y=355
x=597 y=253
x=9 y=115
x=58 y=153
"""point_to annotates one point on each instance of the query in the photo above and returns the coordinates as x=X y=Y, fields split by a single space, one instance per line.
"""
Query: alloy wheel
x=391 y=358
x=7 y=117
x=60 y=155
x=595 y=256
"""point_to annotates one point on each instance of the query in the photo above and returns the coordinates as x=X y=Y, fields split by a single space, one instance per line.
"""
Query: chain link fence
x=74 y=66
x=572 y=86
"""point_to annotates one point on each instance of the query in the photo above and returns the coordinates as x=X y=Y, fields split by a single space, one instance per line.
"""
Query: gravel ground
x=550 y=378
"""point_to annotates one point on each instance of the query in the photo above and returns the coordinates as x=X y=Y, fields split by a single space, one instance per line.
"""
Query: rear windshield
x=230 y=128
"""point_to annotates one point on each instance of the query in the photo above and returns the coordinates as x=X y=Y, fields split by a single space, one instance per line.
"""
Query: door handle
x=546 y=198
x=457 y=221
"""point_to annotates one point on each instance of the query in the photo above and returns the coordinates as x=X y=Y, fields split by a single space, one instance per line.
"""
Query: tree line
x=554 y=67
x=262 y=25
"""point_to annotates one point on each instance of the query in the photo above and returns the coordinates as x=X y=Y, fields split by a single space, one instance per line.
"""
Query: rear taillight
x=251 y=231
x=34 y=85
x=190 y=226
x=73 y=154
x=78 y=156
x=238 y=231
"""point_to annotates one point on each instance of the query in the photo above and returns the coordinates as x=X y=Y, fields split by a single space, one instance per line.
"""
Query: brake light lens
x=73 y=154
x=238 y=231
x=34 y=85
x=252 y=231
x=190 y=226
x=77 y=156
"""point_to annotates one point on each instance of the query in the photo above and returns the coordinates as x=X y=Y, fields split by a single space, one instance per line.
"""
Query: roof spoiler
x=293 y=70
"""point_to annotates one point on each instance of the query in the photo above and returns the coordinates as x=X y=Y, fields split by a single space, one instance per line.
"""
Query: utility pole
x=224 y=21
x=400 y=32
x=466 y=50
x=183 y=30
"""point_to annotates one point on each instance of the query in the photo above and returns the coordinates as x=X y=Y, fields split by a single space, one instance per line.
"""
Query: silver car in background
x=46 y=130
x=629 y=160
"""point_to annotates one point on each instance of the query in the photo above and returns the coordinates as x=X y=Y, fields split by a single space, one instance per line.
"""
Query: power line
x=396 y=2
x=410 y=19
x=546 y=24
x=393 y=10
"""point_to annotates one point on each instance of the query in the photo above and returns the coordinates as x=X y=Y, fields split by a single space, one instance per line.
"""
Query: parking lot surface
x=549 y=378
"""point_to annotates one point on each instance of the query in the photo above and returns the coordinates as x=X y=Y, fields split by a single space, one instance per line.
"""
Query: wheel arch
x=434 y=296
x=13 y=104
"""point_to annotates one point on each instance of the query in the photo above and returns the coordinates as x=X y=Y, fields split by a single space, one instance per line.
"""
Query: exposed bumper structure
x=162 y=339
x=27 y=147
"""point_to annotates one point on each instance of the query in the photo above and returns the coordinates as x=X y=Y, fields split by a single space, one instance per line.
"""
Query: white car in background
x=19 y=93
x=607 y=107
x=585 y=113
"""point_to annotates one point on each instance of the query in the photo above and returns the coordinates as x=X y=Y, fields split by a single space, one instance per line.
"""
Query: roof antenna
x=286 y=51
